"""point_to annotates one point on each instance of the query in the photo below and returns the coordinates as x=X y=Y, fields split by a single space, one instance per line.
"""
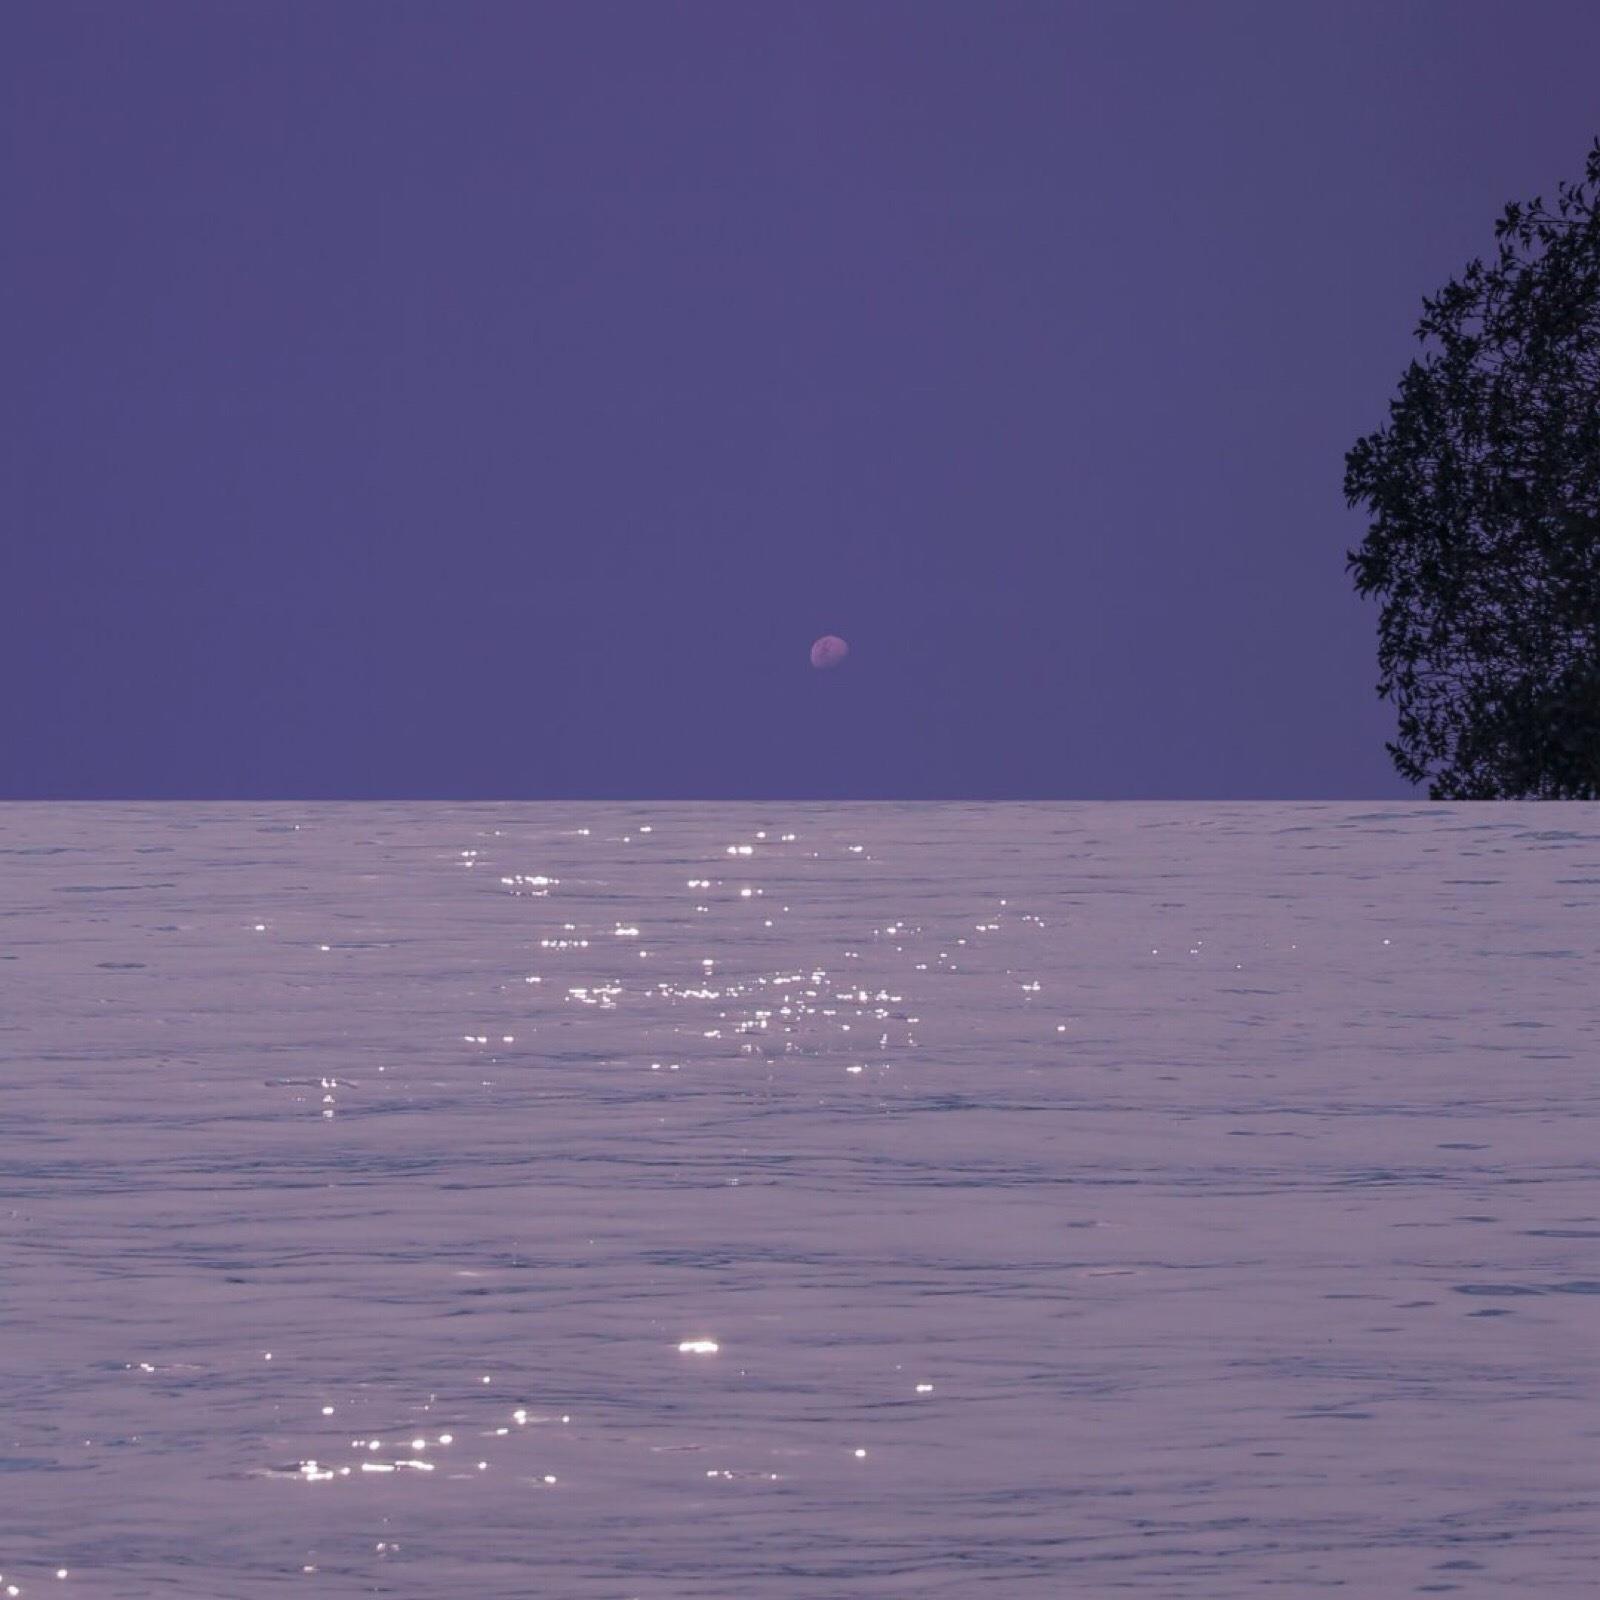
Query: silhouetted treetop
x=1484 y=497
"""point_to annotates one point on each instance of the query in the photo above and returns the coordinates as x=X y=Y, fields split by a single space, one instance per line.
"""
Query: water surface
x=1166 y=1200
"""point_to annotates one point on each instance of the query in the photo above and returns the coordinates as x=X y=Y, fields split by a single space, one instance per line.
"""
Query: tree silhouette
x=1484 y=498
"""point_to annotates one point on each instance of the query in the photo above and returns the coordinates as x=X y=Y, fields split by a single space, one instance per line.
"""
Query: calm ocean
x=799 y=1201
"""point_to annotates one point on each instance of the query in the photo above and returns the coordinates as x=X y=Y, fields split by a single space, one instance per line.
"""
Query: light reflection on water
x=805 y=1201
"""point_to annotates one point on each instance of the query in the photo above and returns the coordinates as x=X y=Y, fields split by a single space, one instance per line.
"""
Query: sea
x=605 y=1201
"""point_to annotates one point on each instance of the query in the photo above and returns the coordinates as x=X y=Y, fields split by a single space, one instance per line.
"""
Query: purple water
x=1166 y=1200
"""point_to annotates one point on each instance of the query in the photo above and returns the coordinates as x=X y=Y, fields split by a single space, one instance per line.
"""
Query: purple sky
x=474 y=399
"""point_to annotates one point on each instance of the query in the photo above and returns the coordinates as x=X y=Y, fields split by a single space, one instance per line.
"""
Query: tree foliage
x=1484 y=497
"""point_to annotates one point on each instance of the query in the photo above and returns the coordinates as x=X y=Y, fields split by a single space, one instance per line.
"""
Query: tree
x=1484 y=539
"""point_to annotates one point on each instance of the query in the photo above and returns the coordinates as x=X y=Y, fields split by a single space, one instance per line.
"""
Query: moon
x=828 y=651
